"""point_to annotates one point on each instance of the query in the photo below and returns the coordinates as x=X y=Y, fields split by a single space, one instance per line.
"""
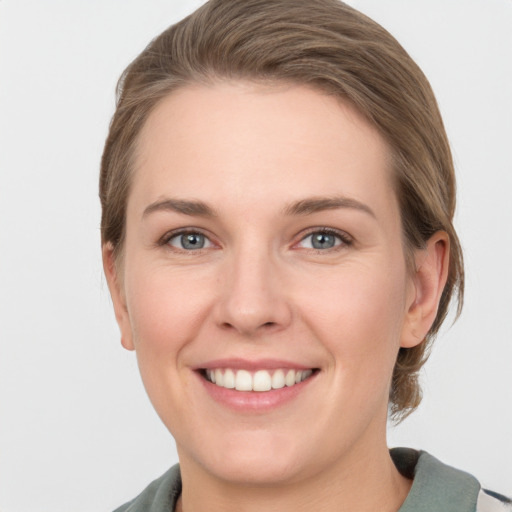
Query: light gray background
x=76 y=429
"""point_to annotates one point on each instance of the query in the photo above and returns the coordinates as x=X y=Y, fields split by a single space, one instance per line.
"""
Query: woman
x=278 y=195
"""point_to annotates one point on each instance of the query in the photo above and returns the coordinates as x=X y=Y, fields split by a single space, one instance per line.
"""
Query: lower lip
x=255 y=401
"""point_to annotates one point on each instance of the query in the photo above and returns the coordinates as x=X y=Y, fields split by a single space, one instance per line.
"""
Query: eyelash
x=164 y=240
x=344 y=238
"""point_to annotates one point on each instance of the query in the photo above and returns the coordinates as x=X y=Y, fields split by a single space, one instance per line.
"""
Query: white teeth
x=278 y=379
x=243 y=380
x=229 y=379
x=261 y=380
x=290 y=378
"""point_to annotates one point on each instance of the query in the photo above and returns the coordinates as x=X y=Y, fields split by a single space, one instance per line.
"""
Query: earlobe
x=428 y=281
x=118 y=297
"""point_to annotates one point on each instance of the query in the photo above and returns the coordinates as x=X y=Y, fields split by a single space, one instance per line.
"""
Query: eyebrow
x=312 y=205
x=186 y=207
x=306 y=206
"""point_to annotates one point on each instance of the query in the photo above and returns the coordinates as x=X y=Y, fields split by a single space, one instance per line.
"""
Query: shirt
x=436 y=487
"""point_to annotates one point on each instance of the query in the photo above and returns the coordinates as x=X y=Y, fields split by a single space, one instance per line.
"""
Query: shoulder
x=437 y=486
x=159 y=496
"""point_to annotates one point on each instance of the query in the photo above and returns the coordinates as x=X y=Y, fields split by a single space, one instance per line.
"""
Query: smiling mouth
x=260 y=380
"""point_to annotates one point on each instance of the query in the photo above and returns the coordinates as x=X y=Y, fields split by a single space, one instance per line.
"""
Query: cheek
x=166 y=310
x=358 y=314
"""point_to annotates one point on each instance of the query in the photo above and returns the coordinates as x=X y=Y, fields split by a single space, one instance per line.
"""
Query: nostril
x=264 y=326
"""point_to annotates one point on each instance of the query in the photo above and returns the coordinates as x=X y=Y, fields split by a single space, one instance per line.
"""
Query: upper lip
x=252 y=364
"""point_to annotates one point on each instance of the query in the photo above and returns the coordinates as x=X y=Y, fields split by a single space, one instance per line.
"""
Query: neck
x=363 y=482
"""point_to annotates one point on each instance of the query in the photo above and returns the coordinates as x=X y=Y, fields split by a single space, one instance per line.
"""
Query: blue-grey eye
x=320 y=240
x=190 y=241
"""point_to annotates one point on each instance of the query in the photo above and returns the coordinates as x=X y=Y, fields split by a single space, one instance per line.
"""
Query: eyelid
x=343 y=236
x=169 y=235
x=346 y=239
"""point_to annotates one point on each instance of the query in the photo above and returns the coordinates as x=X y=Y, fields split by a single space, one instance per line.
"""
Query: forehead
x=246 y=142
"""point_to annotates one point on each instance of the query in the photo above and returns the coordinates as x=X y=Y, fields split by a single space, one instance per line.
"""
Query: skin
x=259 y=289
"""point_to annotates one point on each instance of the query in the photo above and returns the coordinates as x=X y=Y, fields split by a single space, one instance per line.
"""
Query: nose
x=253 y=299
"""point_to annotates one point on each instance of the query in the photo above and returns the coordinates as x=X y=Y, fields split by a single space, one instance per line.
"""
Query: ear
x=427 y=285
x=115 y=285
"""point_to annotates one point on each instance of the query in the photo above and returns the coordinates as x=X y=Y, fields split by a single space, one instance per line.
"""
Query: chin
x=255 y=460
x=257 y=470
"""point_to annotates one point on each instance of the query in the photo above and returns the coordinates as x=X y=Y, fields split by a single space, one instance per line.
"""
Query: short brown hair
x=329 y=46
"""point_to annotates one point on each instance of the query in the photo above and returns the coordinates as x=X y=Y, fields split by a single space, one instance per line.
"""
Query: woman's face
x=264 y=247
